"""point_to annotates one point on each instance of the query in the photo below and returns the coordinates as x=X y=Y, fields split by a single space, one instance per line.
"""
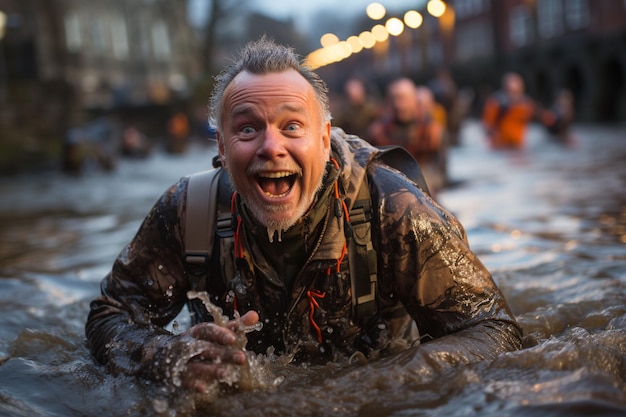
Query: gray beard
x=277 y=227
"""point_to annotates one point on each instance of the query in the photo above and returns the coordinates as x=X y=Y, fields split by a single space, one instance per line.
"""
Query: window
x=461 y=9
x=521 y=26
x=160 y=40
x=474 y=40
x=577 y=13
x=72 y=33
x=119 y=37
x=99 y=36
x=549 y=20
x=468 y=8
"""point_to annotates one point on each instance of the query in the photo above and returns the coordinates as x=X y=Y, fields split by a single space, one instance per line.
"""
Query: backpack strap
x=362 y=260
x=362 y=256
x=200 y=223
x=399 y=158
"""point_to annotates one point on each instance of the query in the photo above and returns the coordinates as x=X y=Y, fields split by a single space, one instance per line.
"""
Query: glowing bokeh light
x=413 y=19
x=436 y=8
x=355 y=44
x=375 y=11
x=367 y=39
x=380 y=33
x=394 y=26
x=329 y=39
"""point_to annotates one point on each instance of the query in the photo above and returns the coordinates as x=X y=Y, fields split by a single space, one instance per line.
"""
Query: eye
x=247 y=130
x=292 y=127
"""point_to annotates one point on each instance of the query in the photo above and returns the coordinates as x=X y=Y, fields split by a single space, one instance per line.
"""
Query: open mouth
x=277 y=184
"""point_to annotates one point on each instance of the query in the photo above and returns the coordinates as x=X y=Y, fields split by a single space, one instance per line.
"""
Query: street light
x=394 y=26
x=329 y=39
x=375 y=11
x=380 y=33
x=355 y=44
x=367 y=39
x=413 y=19
x=436 y=8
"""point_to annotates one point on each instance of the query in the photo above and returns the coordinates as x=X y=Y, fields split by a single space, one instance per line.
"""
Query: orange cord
x=312 y=304
x=314 y=295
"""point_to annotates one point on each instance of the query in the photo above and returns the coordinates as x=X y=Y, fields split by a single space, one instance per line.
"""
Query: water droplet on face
x=271 y=232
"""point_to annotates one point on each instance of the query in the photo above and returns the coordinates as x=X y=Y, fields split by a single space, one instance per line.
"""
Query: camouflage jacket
x=430 y=284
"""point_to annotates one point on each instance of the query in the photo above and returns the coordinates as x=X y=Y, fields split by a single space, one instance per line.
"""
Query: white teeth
x=280 y=174
x=276 y=195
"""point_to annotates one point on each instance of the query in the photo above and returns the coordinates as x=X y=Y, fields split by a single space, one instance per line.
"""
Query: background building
x=553 y=44
x=63 y=62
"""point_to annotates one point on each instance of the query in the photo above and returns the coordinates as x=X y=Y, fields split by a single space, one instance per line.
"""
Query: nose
x=272 y=145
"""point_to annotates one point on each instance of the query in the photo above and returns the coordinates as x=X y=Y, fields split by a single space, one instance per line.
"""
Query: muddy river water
x=549 y=222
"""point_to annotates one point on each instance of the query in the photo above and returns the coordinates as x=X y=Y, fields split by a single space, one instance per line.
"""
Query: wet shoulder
x=393 y=187
x=402 y=204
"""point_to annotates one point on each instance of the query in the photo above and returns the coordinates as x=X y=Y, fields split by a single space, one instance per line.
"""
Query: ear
x=220 y=148
x=326 y=128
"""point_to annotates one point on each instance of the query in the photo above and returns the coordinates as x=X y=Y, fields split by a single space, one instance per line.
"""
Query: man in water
x=411 y=122
x=294 y=182
x=507 y=113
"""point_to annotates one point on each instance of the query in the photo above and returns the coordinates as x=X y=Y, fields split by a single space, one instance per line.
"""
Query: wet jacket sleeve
x=144 y=291
x=427 y=264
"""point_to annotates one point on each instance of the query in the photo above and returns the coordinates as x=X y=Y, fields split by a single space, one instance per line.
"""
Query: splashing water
x=255 y=374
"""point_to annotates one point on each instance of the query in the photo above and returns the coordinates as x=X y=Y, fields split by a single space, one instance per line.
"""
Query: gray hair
x=261 y=57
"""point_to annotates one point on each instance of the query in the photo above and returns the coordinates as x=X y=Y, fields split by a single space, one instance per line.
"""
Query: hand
x=210 y=352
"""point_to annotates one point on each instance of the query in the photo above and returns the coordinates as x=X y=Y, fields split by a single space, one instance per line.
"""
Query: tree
x=219 y=13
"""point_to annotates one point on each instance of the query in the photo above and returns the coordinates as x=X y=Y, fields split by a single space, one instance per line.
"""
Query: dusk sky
x=301 y=10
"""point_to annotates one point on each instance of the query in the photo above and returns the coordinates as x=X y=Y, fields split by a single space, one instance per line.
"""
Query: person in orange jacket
x=507 y=113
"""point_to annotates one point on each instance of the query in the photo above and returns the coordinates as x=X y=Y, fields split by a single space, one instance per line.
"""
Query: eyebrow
x=296 y=108
x=242 y=110
x=248 y=109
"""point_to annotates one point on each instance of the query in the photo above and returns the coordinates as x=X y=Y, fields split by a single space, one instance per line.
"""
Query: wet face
x=274 y=144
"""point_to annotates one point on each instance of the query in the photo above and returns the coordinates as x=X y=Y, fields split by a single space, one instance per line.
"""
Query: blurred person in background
x=411 y=121
x=134 y=143
x=90 y=147
x=558 y=118
x=178 y=133
x=446 y=95
x=506 y=114
x=289 y=181
x=357 y=110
